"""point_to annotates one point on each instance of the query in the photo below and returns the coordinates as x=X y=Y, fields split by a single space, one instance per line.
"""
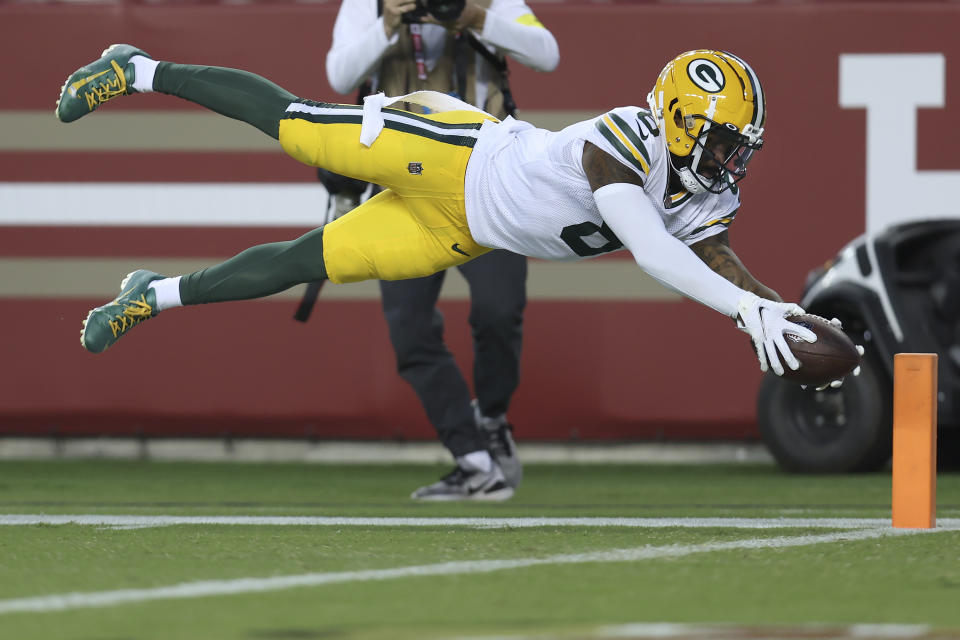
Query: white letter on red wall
x=891 y=87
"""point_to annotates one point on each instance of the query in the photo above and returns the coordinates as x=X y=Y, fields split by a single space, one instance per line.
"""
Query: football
x=830 y=358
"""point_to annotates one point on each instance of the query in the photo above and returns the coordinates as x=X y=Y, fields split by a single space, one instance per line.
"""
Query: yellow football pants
x=418 y=225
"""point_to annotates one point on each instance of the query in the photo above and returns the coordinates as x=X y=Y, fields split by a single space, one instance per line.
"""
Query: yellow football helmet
x=711 y=109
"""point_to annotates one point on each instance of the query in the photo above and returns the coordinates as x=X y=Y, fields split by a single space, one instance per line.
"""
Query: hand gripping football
x=830 y=358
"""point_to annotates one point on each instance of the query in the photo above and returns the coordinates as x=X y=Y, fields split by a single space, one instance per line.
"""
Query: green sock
x=230 y=92
x=259 y=271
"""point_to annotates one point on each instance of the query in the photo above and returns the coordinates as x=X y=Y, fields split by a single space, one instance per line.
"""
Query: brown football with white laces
x=831 y=357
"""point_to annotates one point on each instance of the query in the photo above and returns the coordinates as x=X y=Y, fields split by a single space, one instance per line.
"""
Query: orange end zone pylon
x=914 y=503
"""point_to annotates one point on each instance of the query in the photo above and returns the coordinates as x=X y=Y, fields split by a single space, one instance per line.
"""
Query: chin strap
x=690 y=183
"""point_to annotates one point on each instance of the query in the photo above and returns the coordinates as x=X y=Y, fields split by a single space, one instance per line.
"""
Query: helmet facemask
x=720 y=154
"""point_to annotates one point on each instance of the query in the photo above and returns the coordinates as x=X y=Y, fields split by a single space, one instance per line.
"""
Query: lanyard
x=418 y=57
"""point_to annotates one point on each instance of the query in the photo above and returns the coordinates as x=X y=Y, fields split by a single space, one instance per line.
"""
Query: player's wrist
x=748 y=300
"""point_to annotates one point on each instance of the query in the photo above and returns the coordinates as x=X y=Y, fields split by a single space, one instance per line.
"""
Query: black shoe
x=465 y=484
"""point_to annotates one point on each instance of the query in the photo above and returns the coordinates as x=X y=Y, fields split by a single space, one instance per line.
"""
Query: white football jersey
x=547 y=210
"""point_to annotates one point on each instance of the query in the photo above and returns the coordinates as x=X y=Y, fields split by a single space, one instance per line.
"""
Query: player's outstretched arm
x=634 y=219
x=715 y=251
x=632 y=216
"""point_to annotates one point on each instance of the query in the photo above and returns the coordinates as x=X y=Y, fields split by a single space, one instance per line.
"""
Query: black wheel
x=833 y=431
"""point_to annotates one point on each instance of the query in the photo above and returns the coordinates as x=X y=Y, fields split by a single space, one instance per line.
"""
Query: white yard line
x=80 y=600
x=731 y=631
x=139 y=522
x=863 y=631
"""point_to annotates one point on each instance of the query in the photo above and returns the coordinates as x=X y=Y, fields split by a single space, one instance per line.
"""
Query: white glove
x=835 y=384
x=766 y=322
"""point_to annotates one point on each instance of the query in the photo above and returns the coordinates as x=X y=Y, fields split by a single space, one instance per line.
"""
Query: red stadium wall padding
x=592 y=369
x=247 y=369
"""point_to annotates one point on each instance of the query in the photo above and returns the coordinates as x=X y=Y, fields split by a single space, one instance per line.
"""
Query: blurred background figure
x=397 y=47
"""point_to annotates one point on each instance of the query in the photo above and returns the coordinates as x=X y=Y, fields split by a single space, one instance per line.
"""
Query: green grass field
x=625 y=546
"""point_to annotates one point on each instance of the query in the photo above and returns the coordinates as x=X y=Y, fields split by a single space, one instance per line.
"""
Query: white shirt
x=359 y=42
x=526 y=189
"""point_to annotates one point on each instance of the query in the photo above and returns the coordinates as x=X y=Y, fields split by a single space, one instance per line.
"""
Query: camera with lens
x=442 y=10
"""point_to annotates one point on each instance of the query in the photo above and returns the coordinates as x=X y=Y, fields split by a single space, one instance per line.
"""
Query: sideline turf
x=355 y=490
x=911 y=579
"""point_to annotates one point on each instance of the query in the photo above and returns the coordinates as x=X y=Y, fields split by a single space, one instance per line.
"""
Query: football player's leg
x=123 y=69
x=381 y=239
x=230 y=92
x=257 y=272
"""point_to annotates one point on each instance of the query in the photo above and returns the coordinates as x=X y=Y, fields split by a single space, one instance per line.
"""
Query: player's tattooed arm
x=602 y=169
x=715 y=251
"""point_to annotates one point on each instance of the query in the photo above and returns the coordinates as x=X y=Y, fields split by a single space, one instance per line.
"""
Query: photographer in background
x=455 y=47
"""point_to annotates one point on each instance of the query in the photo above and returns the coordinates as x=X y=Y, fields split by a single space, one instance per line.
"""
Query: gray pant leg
x=423 y=360
x=498 y=295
